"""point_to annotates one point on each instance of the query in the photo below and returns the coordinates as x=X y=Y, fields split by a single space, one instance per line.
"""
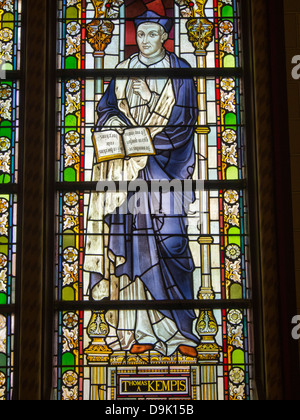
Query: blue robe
x=155 y=247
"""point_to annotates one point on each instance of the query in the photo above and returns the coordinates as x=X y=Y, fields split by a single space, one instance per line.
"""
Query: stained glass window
x=10 y=133
x=153 y=287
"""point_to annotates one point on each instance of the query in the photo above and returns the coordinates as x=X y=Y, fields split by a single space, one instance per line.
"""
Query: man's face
x=150 y=38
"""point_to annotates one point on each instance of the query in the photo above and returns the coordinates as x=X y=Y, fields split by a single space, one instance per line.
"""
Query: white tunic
x=143 y=326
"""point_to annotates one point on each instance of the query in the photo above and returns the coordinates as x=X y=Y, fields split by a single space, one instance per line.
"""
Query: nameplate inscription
x=153 y=385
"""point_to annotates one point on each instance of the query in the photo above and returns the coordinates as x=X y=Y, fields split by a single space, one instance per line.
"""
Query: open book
x=109 y=144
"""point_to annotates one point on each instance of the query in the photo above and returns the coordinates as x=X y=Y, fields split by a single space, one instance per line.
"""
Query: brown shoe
x=188 y=351
x=141 y=348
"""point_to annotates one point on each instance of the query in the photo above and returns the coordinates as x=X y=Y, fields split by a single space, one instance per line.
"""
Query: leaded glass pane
x=9 y=131
x=10 y=138
x=151 y=278
x=6 y=356
x=149 y=375
x=10 y=35
x=8 y=242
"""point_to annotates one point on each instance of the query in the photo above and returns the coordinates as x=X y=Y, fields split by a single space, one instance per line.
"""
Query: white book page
x=137 y=141
x=108 y=144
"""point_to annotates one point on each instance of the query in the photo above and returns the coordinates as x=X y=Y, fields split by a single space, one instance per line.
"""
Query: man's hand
x=117 y=124
x=141 y=88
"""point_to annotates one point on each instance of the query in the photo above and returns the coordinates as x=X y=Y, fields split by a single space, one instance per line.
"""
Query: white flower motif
x=226 y=27
x=234 y=316
x=231 y=196
x=73 y=28
x=70 y=254
x=4 y=144
x=229 y=136
x=236 y=375
x=233 y=251
x=3 y=260
x=6 y=34
x=5 y=91
x=71 y=199
x=70 y=378
x=72 y=138
x=227 y=84
x=70 y=320
x=73 y=85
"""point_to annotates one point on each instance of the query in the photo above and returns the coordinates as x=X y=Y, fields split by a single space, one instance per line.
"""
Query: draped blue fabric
x=155 y=246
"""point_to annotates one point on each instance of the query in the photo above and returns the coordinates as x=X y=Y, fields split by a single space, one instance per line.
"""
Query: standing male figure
x=146 y=256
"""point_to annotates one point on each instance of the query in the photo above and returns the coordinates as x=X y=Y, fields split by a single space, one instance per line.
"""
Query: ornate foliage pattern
x=10 y=59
